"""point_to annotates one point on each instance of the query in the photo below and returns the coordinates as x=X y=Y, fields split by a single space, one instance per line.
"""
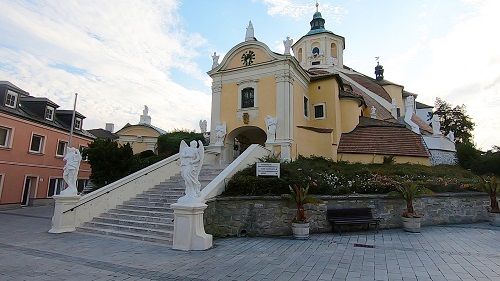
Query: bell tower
x=319 y=48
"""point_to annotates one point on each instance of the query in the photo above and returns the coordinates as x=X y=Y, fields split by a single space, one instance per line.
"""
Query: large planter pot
x=495 y=219
x=300 y=230
x=411 y=224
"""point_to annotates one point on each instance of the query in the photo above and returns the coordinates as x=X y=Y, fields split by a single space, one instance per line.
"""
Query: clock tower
x=319 y=48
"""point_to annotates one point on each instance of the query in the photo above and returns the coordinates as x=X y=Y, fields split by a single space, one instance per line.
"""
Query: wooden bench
x=339 y=217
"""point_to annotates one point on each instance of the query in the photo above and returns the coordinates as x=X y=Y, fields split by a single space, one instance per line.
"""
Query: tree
x=456 y=120
x=168 y=144
x=109 y=161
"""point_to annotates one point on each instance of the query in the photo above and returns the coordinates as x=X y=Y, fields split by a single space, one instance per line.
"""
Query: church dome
x=317 y=15
x=317 y=24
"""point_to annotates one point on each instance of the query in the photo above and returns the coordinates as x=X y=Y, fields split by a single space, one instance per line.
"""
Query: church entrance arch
x=241 y=138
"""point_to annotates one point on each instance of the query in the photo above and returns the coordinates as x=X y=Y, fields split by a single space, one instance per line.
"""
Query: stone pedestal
x=64 y=222
x=189 y=231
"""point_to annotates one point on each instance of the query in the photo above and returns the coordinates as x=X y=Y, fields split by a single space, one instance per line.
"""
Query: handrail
x=130 y=178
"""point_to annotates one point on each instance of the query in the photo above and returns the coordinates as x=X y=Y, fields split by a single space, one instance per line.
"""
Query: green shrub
x=337 y=178
x=168 y=144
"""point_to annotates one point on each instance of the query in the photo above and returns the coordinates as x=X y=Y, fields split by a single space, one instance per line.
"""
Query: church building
x=310 y=103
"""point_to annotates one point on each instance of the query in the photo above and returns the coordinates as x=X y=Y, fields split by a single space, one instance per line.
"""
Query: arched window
x=300 y=55
x=247 y=97
x=333 y=50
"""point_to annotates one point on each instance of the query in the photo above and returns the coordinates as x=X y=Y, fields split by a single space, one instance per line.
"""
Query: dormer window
x=78 y=123
x=11 y=99
x=49 y=113
x=315 y=51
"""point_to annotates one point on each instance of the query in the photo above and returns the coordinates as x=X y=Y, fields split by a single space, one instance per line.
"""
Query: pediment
x=234 y=59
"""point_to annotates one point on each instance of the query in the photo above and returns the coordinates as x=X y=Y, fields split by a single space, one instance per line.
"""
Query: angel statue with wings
x=191 y=158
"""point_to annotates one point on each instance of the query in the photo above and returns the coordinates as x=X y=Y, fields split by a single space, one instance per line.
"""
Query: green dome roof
x=317 y=15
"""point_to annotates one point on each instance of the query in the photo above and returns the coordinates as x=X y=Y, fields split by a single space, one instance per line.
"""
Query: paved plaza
x=458 y=252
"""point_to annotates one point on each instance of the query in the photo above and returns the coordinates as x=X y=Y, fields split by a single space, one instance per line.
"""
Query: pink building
x=33 y=139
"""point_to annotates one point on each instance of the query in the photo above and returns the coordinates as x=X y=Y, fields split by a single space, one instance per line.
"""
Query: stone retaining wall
x=272 y=215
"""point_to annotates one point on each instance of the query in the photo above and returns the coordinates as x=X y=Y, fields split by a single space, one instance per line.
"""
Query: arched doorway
x=241 y=138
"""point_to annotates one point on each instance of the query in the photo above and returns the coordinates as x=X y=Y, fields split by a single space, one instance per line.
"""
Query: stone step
x=135 y=236
x=163 y=214
x=144 y=208
x=159 y=193
x=164 y=205
x=162 y=218
x=135 y=223
x=130 y=229
x=157 y=198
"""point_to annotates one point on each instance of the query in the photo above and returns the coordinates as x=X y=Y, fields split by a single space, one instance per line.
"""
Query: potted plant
x=491 y=185
x=300 y=196
x=408 y=191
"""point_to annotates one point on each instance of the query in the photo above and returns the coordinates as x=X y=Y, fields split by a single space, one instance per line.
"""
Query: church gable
x=247 y=54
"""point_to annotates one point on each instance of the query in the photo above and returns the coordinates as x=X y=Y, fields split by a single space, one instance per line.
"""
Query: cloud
x=462 y=67
x=118 y=55
x=298 y=9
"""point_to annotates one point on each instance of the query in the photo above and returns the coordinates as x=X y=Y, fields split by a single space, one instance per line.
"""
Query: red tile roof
x=371 y=85
x=381 y=137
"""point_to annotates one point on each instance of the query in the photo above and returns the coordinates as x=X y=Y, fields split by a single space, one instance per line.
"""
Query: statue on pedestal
x=288 y=44
x=203 y=126
x=271 y=124
x=215 y=60
x=220 y=134
x=70 y=171
x=191 y=158
x=436 y=125
x=373 y=112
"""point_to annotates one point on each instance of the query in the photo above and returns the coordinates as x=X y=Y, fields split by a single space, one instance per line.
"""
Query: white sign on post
x=268 y=169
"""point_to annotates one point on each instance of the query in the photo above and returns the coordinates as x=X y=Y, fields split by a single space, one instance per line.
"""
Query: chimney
x=110 y=127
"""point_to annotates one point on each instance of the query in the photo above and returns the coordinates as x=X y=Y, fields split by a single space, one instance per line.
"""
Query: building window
x=315 y=51
x=315 y=63
x=78 y=123
x=398 y=112
x=247 y=98
x=11 y=99
x=333 y=50
x=306 y=107
x=5 y=136
x=85 y=156
x=49 y=113
x=37 y=143
x=61 y=148
x=81 y=184
x=55 y=187
x=319 y=111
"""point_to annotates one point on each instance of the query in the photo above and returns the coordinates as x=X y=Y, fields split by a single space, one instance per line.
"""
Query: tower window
x=333 y=50
x=247 y=98
x=315 y=51
x=300 y=54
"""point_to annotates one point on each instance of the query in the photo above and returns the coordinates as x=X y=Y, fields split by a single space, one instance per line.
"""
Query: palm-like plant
x=491 y=185
x=300 y=196
x=409 y=191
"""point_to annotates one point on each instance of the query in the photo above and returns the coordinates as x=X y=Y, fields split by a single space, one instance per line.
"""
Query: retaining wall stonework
x=272 y=215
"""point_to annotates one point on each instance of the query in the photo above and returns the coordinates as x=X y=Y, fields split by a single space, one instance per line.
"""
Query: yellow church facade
x=308 y=103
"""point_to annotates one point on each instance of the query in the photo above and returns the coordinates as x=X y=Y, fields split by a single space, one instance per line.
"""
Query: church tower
x=319 y=48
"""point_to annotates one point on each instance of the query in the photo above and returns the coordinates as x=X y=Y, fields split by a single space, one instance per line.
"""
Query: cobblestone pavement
x=458 y=252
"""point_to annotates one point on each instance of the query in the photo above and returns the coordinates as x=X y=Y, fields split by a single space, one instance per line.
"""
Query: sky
x=120 y=55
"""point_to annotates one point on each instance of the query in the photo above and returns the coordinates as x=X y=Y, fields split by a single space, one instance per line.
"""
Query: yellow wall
x=260 y=56
x=136 y=131
x=377 y=158
x=310 y=143
x=396 y=93
x=266 y=103
x=350 y=114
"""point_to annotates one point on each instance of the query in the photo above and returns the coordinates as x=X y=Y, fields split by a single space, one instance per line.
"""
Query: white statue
x=394 y=109
x=191 y=158
x=436 y=125
x=451 y=136
x=288 y=44
x=203 y=126
x=271 y=124
x=215 y=60
x=70 y=171
x=220 y=134
x=249 y=36
x=145 y=110
x=373 y=112
x=410 y=110
x=331 y=61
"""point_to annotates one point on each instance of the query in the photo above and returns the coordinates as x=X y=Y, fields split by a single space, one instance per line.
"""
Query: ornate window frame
x=248 y=84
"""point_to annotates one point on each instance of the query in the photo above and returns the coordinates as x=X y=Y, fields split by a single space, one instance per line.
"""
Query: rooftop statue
x=288 y=44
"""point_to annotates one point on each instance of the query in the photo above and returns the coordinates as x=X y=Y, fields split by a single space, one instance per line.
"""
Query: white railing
x=113 y=194
x=251 y=155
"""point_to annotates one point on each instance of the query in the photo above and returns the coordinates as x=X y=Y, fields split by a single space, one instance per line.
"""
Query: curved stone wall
x=272 y=215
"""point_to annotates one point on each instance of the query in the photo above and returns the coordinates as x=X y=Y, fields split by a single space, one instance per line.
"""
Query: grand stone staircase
x=148 y=216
